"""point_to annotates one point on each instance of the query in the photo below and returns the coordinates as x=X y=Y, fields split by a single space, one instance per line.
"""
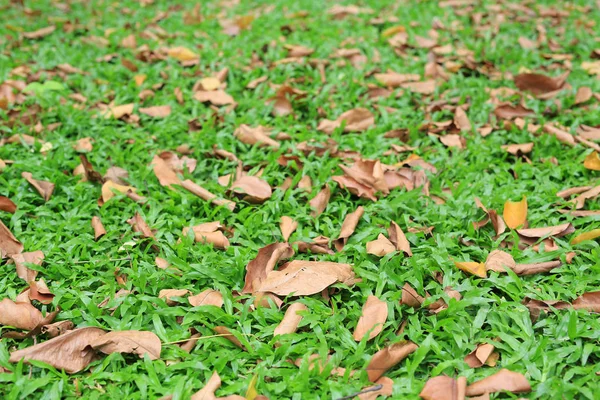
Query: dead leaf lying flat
x=208 y=297
x=320 y=201
x=99 y=230
x=7 y=205
x=137 y=342
x=471 y=267
x=380 y=246
x=348 y=227
x=252 y=188
x=258 y=135
x=19 y=315
x=165 y=174
x=291 y=319
x=265 y=261
x=209 y=232
x=21 y=259
x=502 y=381
x=9 y=244
x=156 y=111
x=483 y=354
x=44 y=188
x=387 y=357
x=515 y=213
x=206 y=195
x=444 y=388
x=355 y=120
x=287 y=226
x=370 y=323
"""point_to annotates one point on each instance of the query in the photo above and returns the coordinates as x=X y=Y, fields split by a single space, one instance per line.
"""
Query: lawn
x=400 y=118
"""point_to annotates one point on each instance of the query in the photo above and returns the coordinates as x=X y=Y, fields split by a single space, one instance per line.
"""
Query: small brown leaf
x=156 y=111
x=386 y=389
x=182 y=54
x=99 y=230
x=499 y=260
x=208 y=297
x=71 y=351
x=39 y=291
x=480 y=355
x=19 y=315
x=583 y=94
x=118 y=112
x=40 y=33
x=555 y=231
x=562 y=135
x=410 y=297
x=206 y=195
x=536 y=268
x=7 y=205
x=515 y=213
x=380 y=246
x=502 y=381
x=139 y=225
x=461 y=120
x=226 y=333
x=57 y=328
x=170 y=294
x=291 y=319
x=287 y=226
x=388 y=357
x=165 y=174
x=44 y=188
x=209 y=232
x=348 y=227
x=117 y=175
x=398 y=238
x=208 y=391
x=370 y=323
x=518 y=149
x=9 y=244
x=253 y=84
x=252 y=188
x=320 y=201
x=266 y=260
x=215 y=97
x=258 y=135
x=508 y=111
x=84 y=145
x=356 y=120
x=20 y=260
x=394 y=79
x=137 y=342
x=109 y=186
x=444 y=388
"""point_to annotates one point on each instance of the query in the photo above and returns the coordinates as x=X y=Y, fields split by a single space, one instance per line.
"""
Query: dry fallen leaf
x=209 y=389
x=380 y=246
x=9 y=244
x=266 y=260
x=84 y=145
x=71 y=351
x=471 y=267
x=215 y=97
x=40 y=33
x=252 y=188
x=518 y=149
x=499 y=260
x=109 y=187
x=156 y=111
x=258 y=135
x=21 y=259
x=355 y=120
x=398 y=238
x=592 y=161
x=165 y=174
x=38 y=290
x=370 y=323
x=57 y=328
x=583 y=94
x=137 y=342
x=208 y=297
x=502 y=381
x=388 y=357
x=226 y=334
x=44 y=188
x=515 y=213
x=348 y=227
x=291 y=319
x=320 y=201
x=118 y=112
x=591 y=235
x=182 y=54
x=7 y=205
x=539 y=84
x=99 y=230
x=287 y=226
x=444 y=388
x=139 y=225
x=19 y=315
x=483 y=354
x=170 y=295
x=209 y=232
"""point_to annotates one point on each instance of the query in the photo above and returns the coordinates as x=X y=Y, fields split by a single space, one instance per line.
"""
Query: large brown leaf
x=137 y=342
x=9 y=244
x=370 y=323
x=539 y=84
x=265 y=261
x=291 y=319
x=71 y=351
x=356 y=120
x=348 y=227
x=20 y=315
x=387 y=357
x=303 y=278
x=502 y=381
x=444 y=388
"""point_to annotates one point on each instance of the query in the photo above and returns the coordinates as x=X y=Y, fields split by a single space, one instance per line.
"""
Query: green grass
x=559 y=353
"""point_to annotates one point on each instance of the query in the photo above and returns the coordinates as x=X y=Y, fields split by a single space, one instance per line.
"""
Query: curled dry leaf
x=370 y=323
x=7 y=205
x=320 y=201
x=44 y=188
x=461 y=120
x=348 y=227
x=161 y=263
x=19 y=315
x=380 y=246
x=265 y=261
x=139 y=225
x=9 y=244
x=355 y=120
x=319 y=245
x=71 y=352
x=388 y=357
x=215 y=97
x=304 y=278
x=258 y=135
x=398 y=238
x=493 y=216
x=515 y=213
x=165 y=174
x=536 y=268
x=156 y=111
x=38 y=290
x=502 y=381
x=518 y=149
x=210 y=232
x=555 y=231
x=208 y=297
x=291 y=319
x=471 y=267
x=137 y=342
x=444 y=388
x=483 y=354
x=109 y=188
x=252 y=188
x=591 y=235
x=583 y=94
x=226 y=333
x=410 y=297
x=99 y=230
x=592 y=161
x=508 y=111
x=170 y=295
x=539 y=84
x=287 y=226
x=562 y=135
x=57 y=328
x=499 y=260
x=21 y=259
x=206 y=195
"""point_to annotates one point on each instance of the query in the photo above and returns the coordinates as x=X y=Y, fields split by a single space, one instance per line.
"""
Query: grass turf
x=558 y=353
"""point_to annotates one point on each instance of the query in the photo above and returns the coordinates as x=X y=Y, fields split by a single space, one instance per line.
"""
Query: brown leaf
x=562 y=135
x=518 y=149
x=380 y=246
x=287 y=226
x=471 y=267
x=394 y=79
x=265 y=261
x=156 y=111
x=583 y=94
x=502 y=381
x=136 y=342
x=44 y=188
x=215 y=97
x=592 y=161
x=99 y=230
x=461 y=120
x=444 y=388
x=170 y=294
x=508 y=111
x=298 y=51
x=21 y=259
x=356 y=120
x=348 y=227
x=527 y=44
x=7 y=205
x=117 y=175
x=165 y=174
x=539 y=84
x=453 y=140
x=39 y=291
x=209 y=232
x=499 y=260
x=139 y=225
x=355 y=187
x=40 y=33
x=588 y=301
x=253 y=84
x=320 y=201
x=206 y=195
x=410 y=297
x=258 y=135
x=84 y=145
x=535 y=268
x=480 y=355
x=291 y=319
x=304 y=278
x=253 y=189
x=57 y=328
x=71 y=351
x=388 y=357
x=370 y=323
x=226 y=333
x=208 y=391
x=555 y=231
x=319 y=245
x=208 y=297
x=386 y=389
x=19 y=315
x=109 y=186
x=398 y=238
x=515 y=213
x=182 y=54
x=119 y=112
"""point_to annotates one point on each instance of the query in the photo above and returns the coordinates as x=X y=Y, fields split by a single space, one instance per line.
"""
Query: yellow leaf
x=182 y=54
x=392 y=31
x=515 y=213
x=593 y=234
x=592 y=161
x=210 y=83
x=139 y=79
x=109 y=187
x=591 y=67
x=251 y=393
x=471 y=267
x=244 y=21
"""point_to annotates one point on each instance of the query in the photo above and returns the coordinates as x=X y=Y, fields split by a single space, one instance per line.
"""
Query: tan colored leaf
x=166 y=176
x=585 y=195
x=588 y=301
x=109 y=187
x=258 y=135
x=266 y=260
x=539 y=84
x=348 y=227
x=502 y=381
x=57 y=328
x=170 y=294
x=370 y=323
x=226 y=333
x=583 y=94
x=555 y=231
x=518 y=149
x=71 y=351
x=21 y=259
x=398 y=238
x=253 y=84
x=355 y=187
x=20 y=315
x=515 y=213
x=291 y=319
x=208 y=297
x=591 y=67
x=410 y=297
x=44 y=188
x=253 y=189
x=298 y=51
x=380 y=246
x=480 y=355
x=156 y=111
x=7 y=204
x=215 y=97
x=527 y=44
x=562 y=135
x=356 y=120
x=592 y=161
x=209 y=83
x=287 y=226
x=319 y=245
x=138 y=224
x=208 y=391
x=136 y=342
x=99 y=230
x=423 y=87
x=161 y=263
x=182 y=54
x=38 y=290
x=444 y=388
x=591 y=235
x=471 y=267
x=536 y=268
x=121 y=111
x=386 y=389
x=209 y=232
x=206 y=195
x=388 y=357
x=394 y=79
x=461 y=120
x=499 y=260
x=84 y=145
x=320 y=201
x=40 y=33
x=304 y=278
x=117 y=175
x=508 y=111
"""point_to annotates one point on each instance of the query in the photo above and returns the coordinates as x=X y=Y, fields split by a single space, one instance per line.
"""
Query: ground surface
x=558 y=352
